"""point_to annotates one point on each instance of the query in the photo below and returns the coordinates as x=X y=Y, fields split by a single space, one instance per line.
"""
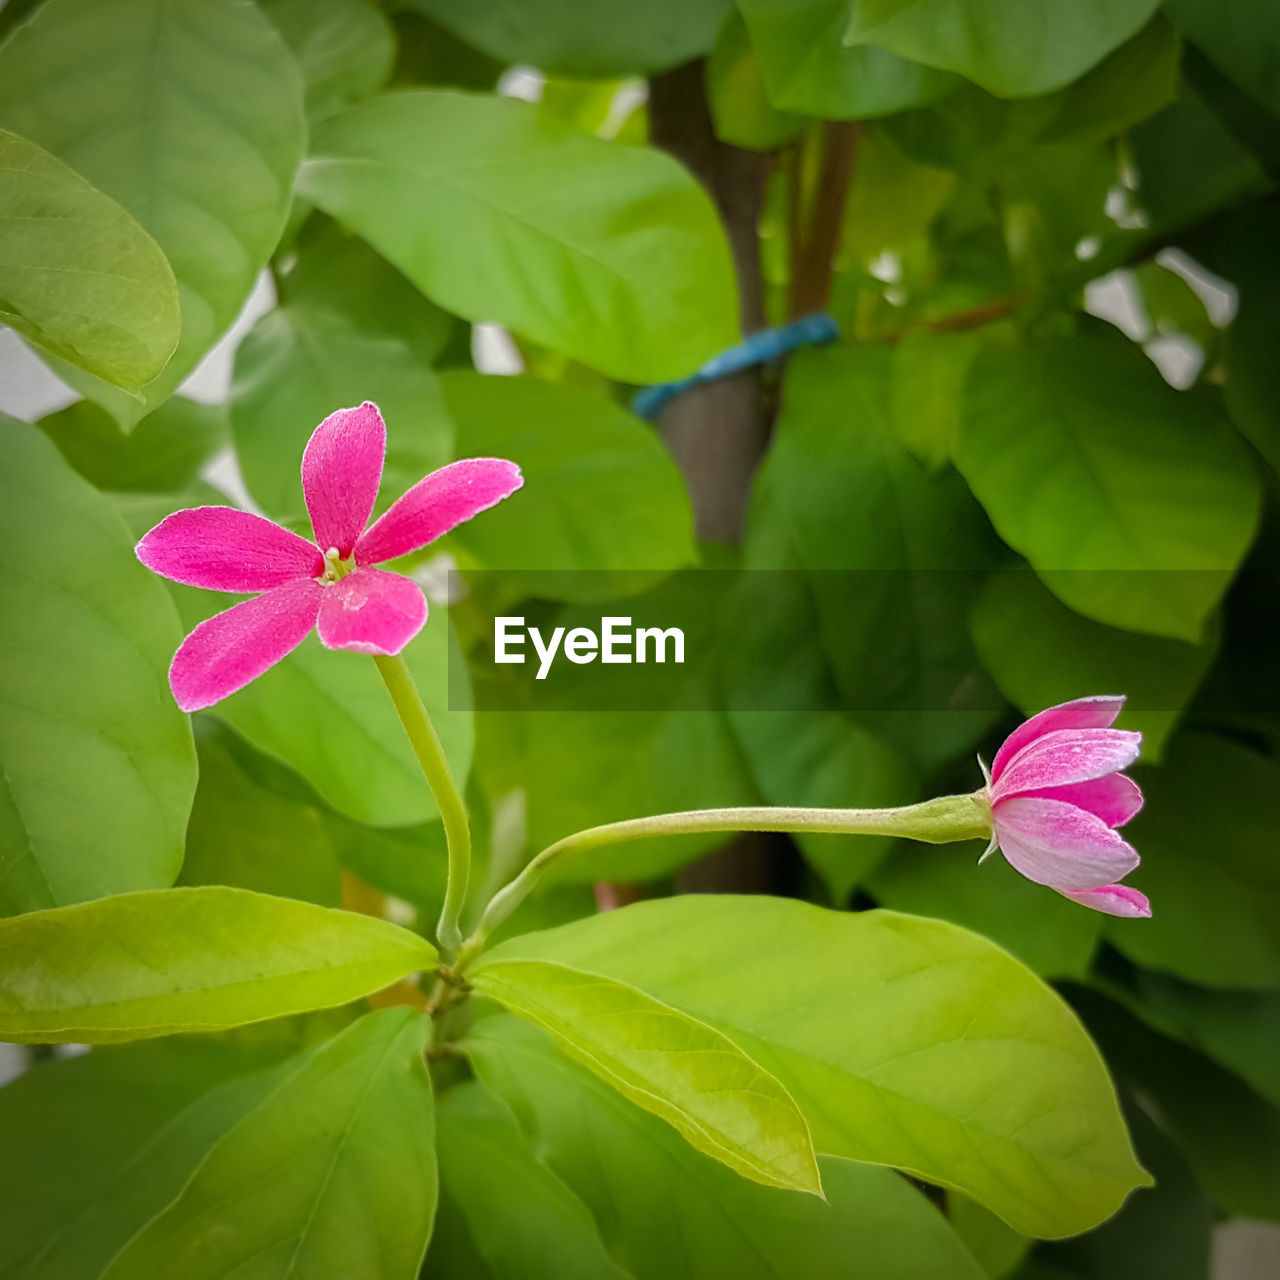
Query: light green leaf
x=98 y=1145
x=331 y=1176
x=500 y=1202
x=1015 y=48
x=666 y=1062
x=78 y=276
x=1048 y=933
x=924 y=397
x=1086 y=460
x=97 y=762
x=1206 y=835
x=594 y=41
x=607 y=253
x=164 y=453
x=601 y=492
x=1241 y=39
x=669 y=1213
x=740 y=106
x=247 y=836
x=906 y=1042
x=808 y=68
x=155 y=963
x=130 y=91
x=1040 y=653
x=344 y=48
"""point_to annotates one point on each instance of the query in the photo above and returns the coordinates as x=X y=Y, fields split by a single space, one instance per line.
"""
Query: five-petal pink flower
x=1057 y=796
x=330 y=582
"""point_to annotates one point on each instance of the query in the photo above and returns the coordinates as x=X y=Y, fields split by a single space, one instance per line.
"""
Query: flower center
x=335 y=567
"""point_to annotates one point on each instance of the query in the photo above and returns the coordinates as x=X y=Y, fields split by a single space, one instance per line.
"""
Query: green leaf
x=1014 y=48
x=98 y=1145
x=1206 y=836
x=739 y=103
x=1229 y=1135
x=1087 y=461
x=1048 y=933
x=78 y=276
x=249 y=837
x=823 y=759
x=924 y=398
x=128 y=92
x=594 y=41
x=97 y=762
x=154 y=963
x=165 y=452
x=344 y=48
x=332 y=1176
x=607 y=253
x=670 y=1213
x=329 y=717
x=666 y=1062
x=601 y=492
x=905 y=1042
x=1041 y=653
x=807 y=68
x=321 y=350
x=1242 y=40
x=500 y=1202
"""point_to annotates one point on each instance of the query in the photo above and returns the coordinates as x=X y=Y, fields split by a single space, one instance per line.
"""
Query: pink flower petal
x=1065 y=756
x=436 y=504
x=1115 y=900
x=223 y=549
x=1059 y=845
x=372 y=611
x=227 y=651
x=1114 y=799
x=341 y=472
x=1084 y=713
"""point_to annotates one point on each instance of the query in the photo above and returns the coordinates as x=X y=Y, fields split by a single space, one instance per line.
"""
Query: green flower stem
x=453 y=811
x=939 y=821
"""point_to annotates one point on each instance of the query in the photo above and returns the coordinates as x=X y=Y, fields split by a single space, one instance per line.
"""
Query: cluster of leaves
x=673 y=1064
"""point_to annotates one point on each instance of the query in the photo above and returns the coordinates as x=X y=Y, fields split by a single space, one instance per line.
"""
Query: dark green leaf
x=78 y=276
x=332 y=1176
x=98 y=765
x=148 y=964
x=1242 y=39
x=1206 y=834
x=610 y=254
x=130 y=91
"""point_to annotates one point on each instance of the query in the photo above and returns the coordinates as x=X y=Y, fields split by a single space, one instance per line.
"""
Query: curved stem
x=453 y=811
x=939 y=821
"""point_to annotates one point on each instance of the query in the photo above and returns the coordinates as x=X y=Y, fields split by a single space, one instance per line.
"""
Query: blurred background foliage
x=1050 y=236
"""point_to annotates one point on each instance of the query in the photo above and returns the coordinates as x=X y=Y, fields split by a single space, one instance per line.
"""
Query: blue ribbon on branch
x=760 y=348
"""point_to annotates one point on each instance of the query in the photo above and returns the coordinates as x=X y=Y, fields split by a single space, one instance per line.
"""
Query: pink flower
x=330 y=581
x=1057 y=795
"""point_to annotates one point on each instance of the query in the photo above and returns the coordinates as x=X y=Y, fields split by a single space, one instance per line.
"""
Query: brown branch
x=811 y=271
x=960 y=321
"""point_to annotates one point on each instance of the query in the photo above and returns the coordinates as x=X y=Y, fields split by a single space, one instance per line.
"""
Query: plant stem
x=453 y=811
x=939 y=821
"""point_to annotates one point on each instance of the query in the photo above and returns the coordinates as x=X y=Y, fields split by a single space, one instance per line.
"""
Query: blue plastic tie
x=760 y=348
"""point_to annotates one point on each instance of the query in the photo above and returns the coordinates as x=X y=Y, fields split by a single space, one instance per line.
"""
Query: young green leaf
x=499 y=1201
x=608 y=253
x=1015 y=48
x=666 y=1062
x=187 y=112
x=154 y=963
x=905 y=1042
x=668 y=1212
x=78 y=276
x=332 y=1176
x=97 y=761
x=1088 y=462
x=97 y=1145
